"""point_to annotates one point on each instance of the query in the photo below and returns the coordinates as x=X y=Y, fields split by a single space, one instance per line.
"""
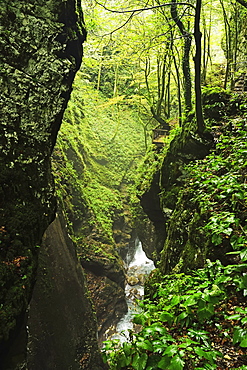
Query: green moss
x=95 y=160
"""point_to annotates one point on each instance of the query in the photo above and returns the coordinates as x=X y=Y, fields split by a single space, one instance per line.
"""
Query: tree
x=197 y=60
x=186 y=56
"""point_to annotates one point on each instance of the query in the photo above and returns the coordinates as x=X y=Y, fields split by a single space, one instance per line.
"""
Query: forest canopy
x=156 y=56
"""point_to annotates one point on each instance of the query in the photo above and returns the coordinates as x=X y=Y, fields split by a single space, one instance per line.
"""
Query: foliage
x=180 y=319
x=219 y=103
x=219 y=187
x=189 y=320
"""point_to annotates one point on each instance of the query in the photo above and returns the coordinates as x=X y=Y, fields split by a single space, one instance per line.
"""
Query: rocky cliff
x=41 y=50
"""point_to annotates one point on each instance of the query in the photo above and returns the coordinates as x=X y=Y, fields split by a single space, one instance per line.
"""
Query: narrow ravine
x=138 y=268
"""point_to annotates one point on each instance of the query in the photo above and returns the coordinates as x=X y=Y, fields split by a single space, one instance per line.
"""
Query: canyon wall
x=41 y=50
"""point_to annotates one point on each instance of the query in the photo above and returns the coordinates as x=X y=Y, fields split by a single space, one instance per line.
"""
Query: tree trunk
x=197 y=60
x=186 y=56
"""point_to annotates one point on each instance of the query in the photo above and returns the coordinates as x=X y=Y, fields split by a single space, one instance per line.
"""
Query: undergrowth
x=198 y=320
x=187 y=321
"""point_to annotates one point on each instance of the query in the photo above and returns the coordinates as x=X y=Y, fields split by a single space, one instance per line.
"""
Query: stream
x=138 y=268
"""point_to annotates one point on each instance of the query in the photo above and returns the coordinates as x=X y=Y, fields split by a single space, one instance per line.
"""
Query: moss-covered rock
x=159 y=192
x=40 y=48
x=93 y=163
x=202 y=197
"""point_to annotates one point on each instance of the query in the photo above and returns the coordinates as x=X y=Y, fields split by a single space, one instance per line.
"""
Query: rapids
x=137 y=269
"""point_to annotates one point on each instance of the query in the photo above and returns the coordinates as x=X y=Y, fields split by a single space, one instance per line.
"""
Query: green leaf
x=175 y=300
x=146 y=345
x=139 y=319
x=243 y=343
x=228 y=231
x=166 y=316
x=216 y=239
x=157 y=327
x=200 y=352
x=243 y=254
x=171 y=350
x=164 y=363
x=135 y=361
x=142 y=361
x=182 y=316
x=121 y=360
x=238 y=334
x=205 y=312
x=190 y=301
x=234 y=317
x=152 y=362
x=177 y=363
x=243 y=281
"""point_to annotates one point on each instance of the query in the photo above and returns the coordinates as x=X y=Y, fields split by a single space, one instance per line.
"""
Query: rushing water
x=140 y=265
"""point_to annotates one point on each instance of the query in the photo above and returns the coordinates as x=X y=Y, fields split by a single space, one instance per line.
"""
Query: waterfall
x=138 y=268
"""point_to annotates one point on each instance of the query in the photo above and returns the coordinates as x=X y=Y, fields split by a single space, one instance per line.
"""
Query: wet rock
x=108 y=300
x=132 y=280
x=141 y=278
x=134 y=294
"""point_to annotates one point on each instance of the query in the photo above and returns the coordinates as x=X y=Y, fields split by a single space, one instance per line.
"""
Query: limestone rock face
x=105 y=276
x=40 y=48
x=61 y=325
x=108 y=300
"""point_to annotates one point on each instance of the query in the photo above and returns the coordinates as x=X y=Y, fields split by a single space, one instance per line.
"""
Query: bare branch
x=142 y=9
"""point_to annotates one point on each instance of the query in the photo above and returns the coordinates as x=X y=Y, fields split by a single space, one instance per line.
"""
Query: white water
x=141 y=265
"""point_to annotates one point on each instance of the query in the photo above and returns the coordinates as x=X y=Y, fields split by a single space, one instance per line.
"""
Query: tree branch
x=242 y=2
x=142 y=9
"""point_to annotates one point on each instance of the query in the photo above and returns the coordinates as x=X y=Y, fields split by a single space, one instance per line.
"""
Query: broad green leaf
x=157 y=327
x=121 y=360
x=243 y=281
x=171 y=350
x=243 y=254
x=164 y=363
x=142 y=361
x=175 y=300
x=152 y=362
x=216 y=239
x=166 y=316
x=146 y=345
x=243 y=343
x=190 y=301
x=200 y=352
x=238 y=334
x=205 y=312
x=135 y=360
x=182 y=316
x=177 y=363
